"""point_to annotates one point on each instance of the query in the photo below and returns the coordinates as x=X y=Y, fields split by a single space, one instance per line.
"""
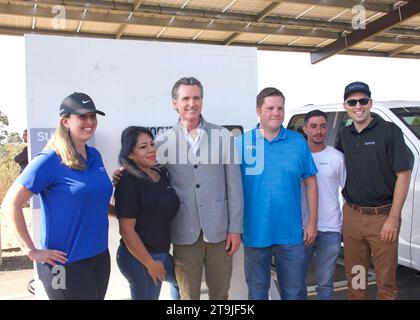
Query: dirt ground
x=16 y=270
x=13 y=258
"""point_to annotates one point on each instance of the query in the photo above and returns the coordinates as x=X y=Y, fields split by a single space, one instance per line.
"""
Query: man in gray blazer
x=207 y=229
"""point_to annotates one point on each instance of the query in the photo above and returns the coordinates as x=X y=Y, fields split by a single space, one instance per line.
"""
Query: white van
x=405 y=114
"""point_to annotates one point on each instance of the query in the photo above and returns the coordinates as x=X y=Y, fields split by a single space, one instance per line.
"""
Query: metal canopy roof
x=385 y=28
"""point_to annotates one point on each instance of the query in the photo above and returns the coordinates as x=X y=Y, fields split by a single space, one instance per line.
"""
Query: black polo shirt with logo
x=372 y=158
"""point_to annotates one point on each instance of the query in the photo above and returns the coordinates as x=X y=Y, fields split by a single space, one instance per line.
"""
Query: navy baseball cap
x=356 y=87
x=78 y=103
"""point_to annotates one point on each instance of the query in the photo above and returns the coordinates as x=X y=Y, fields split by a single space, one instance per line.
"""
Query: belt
x=371 y=210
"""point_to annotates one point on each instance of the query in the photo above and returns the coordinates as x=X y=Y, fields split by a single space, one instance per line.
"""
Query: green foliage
x=9 y=169
x=3 y=119
x=14 y=137
x=4 y=122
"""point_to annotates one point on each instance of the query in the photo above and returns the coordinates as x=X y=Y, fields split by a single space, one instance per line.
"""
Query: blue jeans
x=141 y=284
x=327 y=249
x=289 y=260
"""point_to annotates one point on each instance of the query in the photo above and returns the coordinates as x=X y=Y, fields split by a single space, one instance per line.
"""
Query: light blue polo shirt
x=74 y=204
x=272 y=172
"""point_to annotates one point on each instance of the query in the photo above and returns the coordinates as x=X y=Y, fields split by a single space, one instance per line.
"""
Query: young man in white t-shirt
x=331 y=178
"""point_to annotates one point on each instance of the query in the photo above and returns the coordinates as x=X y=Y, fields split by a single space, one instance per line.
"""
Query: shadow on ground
x=13 y=260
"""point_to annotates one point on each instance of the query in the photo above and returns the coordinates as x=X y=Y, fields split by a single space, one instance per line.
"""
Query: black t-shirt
x=153 y=204
x=372 y=158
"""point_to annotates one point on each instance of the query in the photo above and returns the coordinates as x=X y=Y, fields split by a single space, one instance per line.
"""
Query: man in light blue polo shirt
x=274 y=162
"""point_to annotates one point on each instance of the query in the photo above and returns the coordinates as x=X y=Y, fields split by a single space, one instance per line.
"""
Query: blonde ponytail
x=62 y=144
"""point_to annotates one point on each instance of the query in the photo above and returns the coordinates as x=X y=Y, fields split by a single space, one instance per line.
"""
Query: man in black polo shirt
x=378 y=177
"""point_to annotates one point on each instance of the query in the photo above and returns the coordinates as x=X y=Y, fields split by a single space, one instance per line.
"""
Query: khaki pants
x=361 y=234
x=189 y=261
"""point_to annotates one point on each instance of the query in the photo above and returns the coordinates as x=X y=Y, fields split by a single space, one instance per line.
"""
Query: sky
x=292 y=73
x=324 y=82
x=12 y=82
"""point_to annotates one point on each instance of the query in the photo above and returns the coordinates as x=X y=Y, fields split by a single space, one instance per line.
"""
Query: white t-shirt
x=331 y=177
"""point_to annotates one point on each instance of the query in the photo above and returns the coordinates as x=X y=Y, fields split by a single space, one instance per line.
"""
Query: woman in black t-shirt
x=145 y=204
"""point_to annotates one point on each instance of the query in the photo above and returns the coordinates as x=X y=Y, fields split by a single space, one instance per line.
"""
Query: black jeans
x=86 y=279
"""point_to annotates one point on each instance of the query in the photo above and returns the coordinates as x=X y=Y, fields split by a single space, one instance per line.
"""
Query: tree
x=14 y=137
x=4 y=122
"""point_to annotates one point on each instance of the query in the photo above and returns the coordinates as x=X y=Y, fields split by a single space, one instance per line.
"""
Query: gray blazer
x=208 y=184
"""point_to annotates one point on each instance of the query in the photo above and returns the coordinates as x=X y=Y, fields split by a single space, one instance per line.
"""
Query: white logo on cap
x=85 y=101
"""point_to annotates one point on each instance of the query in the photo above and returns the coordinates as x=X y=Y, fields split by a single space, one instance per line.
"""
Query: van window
x=296 y=123
x=235 y=129
x=347 y=121
x=410 y=116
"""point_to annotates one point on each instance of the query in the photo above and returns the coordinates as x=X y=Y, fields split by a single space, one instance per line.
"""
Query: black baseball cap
x=78 y=103
x=356 y=87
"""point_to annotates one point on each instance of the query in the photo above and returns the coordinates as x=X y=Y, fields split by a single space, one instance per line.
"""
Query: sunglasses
x=362 y=102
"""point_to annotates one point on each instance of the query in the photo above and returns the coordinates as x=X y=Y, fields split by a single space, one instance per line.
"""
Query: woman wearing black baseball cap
x=73 y=261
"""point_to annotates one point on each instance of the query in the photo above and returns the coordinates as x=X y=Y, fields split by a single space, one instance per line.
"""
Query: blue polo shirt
x=74 y=204
x=272 y=172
